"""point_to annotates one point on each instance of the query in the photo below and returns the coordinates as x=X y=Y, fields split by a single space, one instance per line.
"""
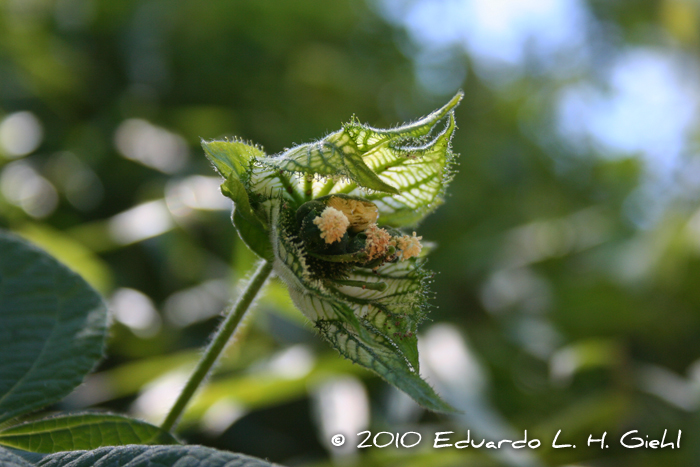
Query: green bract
x=326 y=215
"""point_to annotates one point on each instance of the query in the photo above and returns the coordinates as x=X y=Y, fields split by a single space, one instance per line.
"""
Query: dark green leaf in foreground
x=52 y=328
x=82 y=431
x=8 y=459
x=152 y=456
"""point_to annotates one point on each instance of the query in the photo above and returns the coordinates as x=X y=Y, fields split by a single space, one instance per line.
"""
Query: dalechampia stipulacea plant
x=328 y=215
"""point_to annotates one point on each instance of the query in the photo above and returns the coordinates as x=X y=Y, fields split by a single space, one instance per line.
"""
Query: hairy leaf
x=8 y=459
x=82 y=431
x=407 y=157
x=232 y=160
x=374 y=328
x=402 y=161
x=336 y=155
x=231 y=157
x=52 y=328
x=152 y=456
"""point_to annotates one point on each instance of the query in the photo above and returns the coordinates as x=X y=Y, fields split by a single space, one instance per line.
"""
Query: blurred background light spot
x=647 y=107
x=292 y=363
x=446 y=353
x=23 y=186
x=198 y=303
x=151 y=145
x=544 y=239
x=520 y=288
x=582 y=355
x=158 y=396
x=20 y=134
x=671 y=387
x=96 y=389
x=141 y=222
x=80 y=184
x=400 y=408
x=637 y=259
x=341 y=407
x=221 y=415
x=501 y=36
x=196 y=192
x=537 y=336
x=694 y=376
x=136 y=311
x=692 y=231
x=440 y=72
x=450 y=364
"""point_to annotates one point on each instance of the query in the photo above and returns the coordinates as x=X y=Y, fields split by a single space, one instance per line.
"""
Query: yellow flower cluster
x=342 y=214
x=333 y=224
x=378 y=241
x=408 y=246
x=361 y=214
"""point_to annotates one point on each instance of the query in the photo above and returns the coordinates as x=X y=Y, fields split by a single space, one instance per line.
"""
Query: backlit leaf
x=82 y=432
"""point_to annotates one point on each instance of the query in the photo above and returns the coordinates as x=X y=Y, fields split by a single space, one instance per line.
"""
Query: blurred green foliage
x=569 y=311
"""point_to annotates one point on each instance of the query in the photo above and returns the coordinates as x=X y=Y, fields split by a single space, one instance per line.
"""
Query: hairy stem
x=218 y=343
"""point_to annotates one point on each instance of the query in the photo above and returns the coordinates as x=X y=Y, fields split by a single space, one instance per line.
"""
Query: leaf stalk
x=218 y=343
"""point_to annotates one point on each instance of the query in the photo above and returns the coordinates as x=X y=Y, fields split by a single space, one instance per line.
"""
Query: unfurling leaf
x=327 y=215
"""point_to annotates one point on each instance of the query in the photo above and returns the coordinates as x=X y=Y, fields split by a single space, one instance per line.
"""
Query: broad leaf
x=52 y=328
x=336 y=155
x=82 y=431
x=406 y=168
x=8 y=459
x=407 y=158
x=377 y=355
x=152 y=456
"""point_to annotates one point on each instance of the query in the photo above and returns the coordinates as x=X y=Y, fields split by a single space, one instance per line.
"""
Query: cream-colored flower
x=378 y=241
x=361 y=214
x=408 y=246
x=333 y=224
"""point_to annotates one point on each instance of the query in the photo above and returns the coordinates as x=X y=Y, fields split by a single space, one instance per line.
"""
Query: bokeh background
x=568 y=259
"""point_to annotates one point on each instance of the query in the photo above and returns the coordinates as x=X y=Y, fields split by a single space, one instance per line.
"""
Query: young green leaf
x=231 y=159
x=319 y=206
x=52 y=328
x=152 y=456
x=82 y=432
x=419 y=169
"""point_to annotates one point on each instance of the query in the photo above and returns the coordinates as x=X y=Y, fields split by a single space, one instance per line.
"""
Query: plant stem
x=218 y=343
x=308 y=187
x=326 y=188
